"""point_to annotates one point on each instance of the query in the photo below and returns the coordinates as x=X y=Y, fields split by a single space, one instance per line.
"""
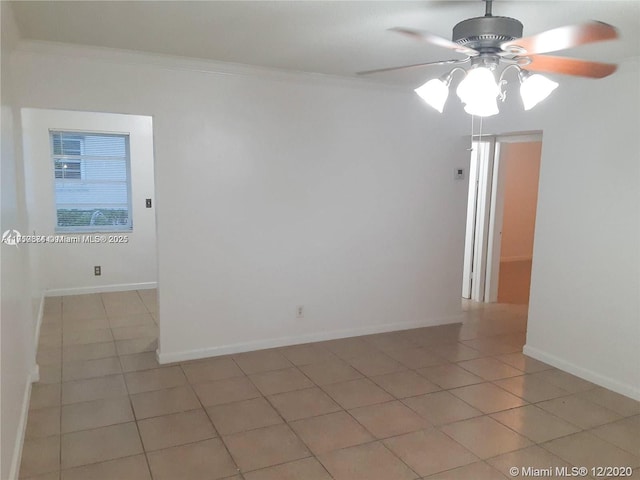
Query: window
x=68 y=146
x=68 y=169
x=92 y=181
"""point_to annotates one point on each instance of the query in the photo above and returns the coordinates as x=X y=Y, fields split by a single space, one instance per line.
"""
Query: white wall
x=339 y=196
x=17 y=335
x=584 y=310
x=276 y=190
x=124 y=265
x=521 y=163
x=585 y=297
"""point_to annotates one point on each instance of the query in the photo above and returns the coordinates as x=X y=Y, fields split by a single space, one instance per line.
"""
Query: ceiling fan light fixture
x=534 y=88
x=478 y=91
x=434 y=92
x=490 y=42
x=482 y=108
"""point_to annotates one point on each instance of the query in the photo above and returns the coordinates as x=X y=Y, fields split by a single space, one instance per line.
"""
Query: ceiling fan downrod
x=487 y=11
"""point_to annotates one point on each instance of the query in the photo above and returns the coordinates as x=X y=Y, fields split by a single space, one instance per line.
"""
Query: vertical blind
x=92 y=181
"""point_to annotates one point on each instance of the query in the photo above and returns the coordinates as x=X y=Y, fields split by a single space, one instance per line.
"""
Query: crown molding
x=204 y=66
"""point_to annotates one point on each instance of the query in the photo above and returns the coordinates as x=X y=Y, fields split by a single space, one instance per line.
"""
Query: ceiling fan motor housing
x=485 y=34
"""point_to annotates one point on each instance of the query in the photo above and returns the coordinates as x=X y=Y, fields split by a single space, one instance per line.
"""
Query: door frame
x=478 y=208
x=467 y=269
x=485 y=209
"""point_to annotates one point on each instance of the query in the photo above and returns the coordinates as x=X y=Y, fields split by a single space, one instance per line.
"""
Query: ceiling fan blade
x=569 y=66
x=562 y=38
x=415 y=65
x=436 y=40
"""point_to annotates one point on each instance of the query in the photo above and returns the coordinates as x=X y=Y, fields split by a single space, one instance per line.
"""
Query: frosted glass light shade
x=434 y=92
x=535 y=88
x=484 y=108
x=478 y=91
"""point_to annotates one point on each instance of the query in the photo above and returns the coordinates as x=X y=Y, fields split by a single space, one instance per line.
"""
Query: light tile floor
x=448 y=402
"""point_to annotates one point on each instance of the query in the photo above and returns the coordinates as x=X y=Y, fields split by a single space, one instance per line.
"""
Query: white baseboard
x=597 y=378
x=22 y=424
x=182 y=356
x=121 y=287
x=517 y=258
x=35 y=373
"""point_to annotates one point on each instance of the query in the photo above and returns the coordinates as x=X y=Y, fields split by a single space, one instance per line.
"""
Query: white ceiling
x=330 y=37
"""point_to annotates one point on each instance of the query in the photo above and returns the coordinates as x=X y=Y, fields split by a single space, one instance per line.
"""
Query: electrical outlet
x=300 y=311
x=97 y=270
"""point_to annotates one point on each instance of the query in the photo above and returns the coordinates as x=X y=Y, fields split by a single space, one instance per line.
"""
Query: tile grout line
x=119 y=423
x=61 y=364
x=133 y=412
x=270 y=403
x=224 y=444
x=312 y=454
x=375 y=439
x=577 y=395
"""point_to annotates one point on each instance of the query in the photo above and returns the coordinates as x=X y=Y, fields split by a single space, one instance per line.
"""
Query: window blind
x=92 y=181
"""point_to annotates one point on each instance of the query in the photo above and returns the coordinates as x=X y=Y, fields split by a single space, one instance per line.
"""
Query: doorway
x=501 y=210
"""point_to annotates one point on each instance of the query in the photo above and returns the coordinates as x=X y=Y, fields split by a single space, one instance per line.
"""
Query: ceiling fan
x=492 y=41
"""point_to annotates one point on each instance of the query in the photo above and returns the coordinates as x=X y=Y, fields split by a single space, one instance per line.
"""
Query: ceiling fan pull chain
x=470 y=149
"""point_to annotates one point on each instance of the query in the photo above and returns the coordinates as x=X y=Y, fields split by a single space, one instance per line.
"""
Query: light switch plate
x=458 y=173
